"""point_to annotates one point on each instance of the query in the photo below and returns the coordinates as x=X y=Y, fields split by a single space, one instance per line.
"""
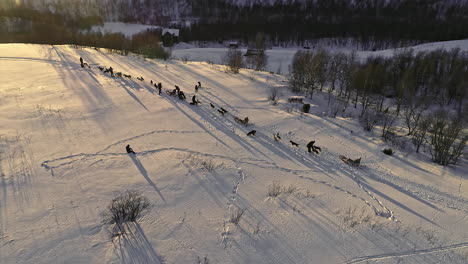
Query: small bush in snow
x=203 y=260
x=126 y=207
x=236 y=215
x=306 y=108
x=368 y=120
x=185 y=59
x=274 y=189
x=273 y=94
x=290 y=190
x=388 y=151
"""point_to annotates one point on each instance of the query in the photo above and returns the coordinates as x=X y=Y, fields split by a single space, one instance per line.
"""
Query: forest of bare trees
x=408 y=86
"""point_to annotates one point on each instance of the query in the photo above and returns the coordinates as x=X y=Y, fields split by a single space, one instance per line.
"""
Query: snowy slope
x=63 y=132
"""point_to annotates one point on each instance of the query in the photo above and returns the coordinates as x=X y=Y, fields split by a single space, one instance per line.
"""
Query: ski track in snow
x=407 y=254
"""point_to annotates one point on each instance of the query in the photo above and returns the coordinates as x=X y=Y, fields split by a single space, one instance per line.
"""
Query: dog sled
x=351 y=162
x=172 y=93
x=244 y=121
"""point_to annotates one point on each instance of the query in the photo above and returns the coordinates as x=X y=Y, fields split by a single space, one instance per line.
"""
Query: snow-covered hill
x=63 y=132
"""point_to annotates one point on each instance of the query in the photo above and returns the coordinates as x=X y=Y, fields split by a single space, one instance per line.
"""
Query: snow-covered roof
x=172 y=31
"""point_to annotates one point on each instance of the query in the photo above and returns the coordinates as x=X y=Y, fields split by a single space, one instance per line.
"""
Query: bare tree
x=273 y=94
x=388 y=122
x=412 y=111
x=447 y=142
x=321 y=61
x=369 y=119
x=420 y=132
x=234 y=60
x=336 y=105
x=126 y=207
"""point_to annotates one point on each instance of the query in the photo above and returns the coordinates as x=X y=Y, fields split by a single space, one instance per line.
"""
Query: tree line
x=55 y=29
x=371 y=22
x=406 y=86
x=376 y=24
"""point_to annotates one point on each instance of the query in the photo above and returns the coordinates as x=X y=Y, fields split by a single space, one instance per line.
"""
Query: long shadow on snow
x=136 y=248
x=278 y=235
x=143 y=172
x=220 y=193
x=123 y=85
x=398 y=188
x=360 y=179
x=47 y=61
x=394 y=186
x=83 y=83
x=220 y=126
x=329 y=167
x=363 y=138
x=216 y=84
x=194 y=120
x=3 y=201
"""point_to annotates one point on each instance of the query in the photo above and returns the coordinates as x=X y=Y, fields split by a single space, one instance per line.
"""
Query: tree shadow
x=82 y=82
x=134 y=246
x=143 y=172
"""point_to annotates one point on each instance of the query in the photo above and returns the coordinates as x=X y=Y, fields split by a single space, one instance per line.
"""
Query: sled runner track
x=67 y=160
x=388 y=213
x=341 y=169
x=148 y=134
x=85 y=155
x=376 y=211
x=407 y=254
x=423 y=192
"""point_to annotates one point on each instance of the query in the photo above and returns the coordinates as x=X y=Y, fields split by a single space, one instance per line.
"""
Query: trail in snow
x=407 y=254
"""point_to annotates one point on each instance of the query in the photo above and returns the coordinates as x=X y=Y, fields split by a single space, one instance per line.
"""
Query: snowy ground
x=279 y=59
x=63 y=132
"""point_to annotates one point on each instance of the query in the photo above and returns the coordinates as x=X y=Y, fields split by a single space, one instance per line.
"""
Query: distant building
x=170 y=36
x=233 y=44
x=254 y=52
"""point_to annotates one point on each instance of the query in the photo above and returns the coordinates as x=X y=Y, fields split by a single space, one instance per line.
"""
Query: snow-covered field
x=279 y=59
x=63 y=132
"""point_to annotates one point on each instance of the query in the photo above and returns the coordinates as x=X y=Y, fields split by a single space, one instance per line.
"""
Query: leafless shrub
x=203 y=260
x=273 y=94
x=234 y=60
x=336 y=105
x=203 y=163
x=388 y=122
x=369 y=120
x=419 y=134
x=126 y=207
x=447 y=140
x=236 y=215
x=256 y=229
x=290 y=190
x=412 y=113
x=185 y=59
x=274 y=189
x=354 y=218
